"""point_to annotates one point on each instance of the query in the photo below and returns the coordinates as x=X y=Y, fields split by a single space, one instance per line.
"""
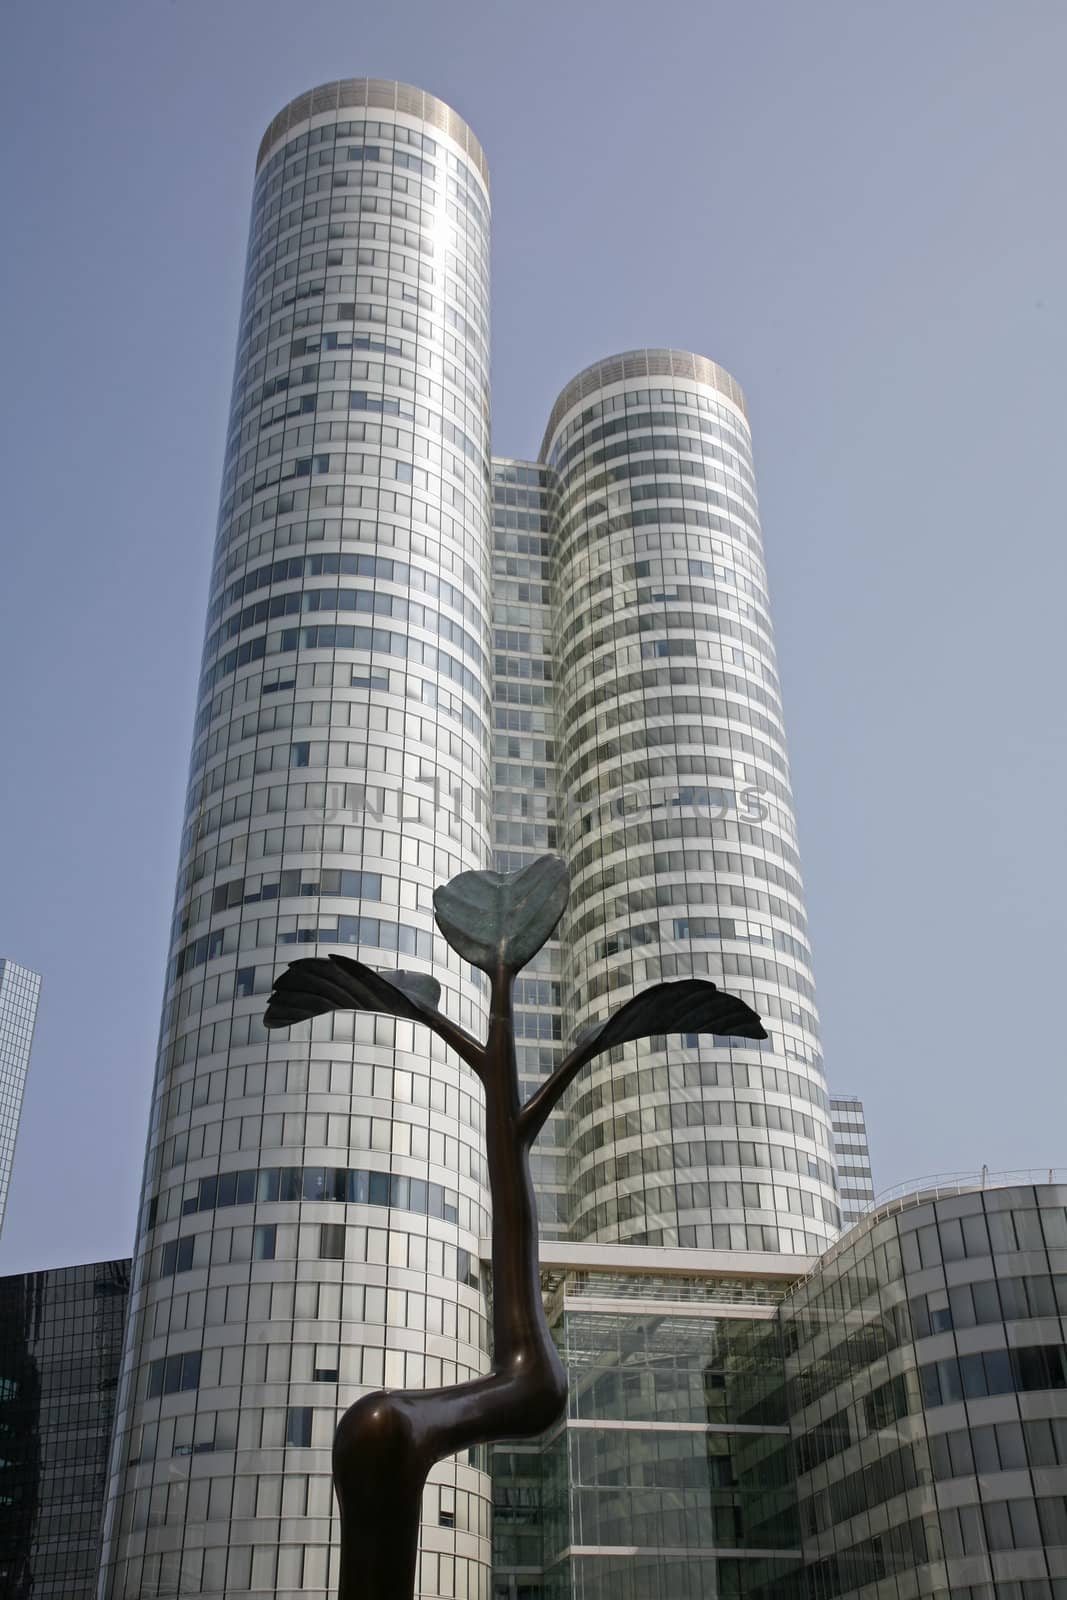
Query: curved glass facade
x=676 y=817
x=314 y=1200
x=926 y=1373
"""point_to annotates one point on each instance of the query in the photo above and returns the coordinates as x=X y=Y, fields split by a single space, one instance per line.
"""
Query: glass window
x=1054 y=1222
x=1026 y=1533
x=920 y=1317
x=1013 y=1299
x=962 y=1303
x=1028 y=1230
x=999 y=1378
x=972 y=1375
x=940 y=1456
x=1053 y=1515
x=960 y=1453
x=1041 y=1443
x=952 y=1240
x=1040 y=1366
x=975 y=1237
x=986 y=1302
x=1010 y=1445
x=941 y=1318
x=298 y=1426
x=1041 y=1297
x=986 y=1458
x=998 y=1526
x=332 y=1241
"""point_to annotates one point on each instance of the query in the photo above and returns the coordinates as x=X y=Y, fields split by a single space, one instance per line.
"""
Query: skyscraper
x=313 y=1203
x=394 y=623
x=677 y=819
x=20 y=990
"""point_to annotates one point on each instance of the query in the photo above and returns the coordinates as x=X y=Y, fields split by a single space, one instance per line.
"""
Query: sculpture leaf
x=335 y=983
x=691 y=1005
x=502 y=919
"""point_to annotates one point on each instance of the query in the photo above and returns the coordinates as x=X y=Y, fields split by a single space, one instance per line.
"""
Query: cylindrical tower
x=677 y=819
x=313 y=1200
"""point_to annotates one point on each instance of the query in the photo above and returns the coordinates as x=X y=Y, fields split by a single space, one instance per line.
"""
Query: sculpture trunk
x=387 y=1442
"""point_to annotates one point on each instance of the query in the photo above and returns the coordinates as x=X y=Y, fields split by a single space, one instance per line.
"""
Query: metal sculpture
x=387 y=1442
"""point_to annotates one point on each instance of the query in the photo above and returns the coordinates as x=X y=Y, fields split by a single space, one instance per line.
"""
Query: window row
x=309 y=373
x=628 y=416
x=268 y=931
x=350 y=564
x=700 y=1155
x=714 y=623
x=337 y=798
x=297 y=881
x=986 y=1233
x=581 y=526
x=1005 y=1299
x=368 y=602
x=663 y=863
x=597 y=1094
x=990 y=1372
x=613 y=714
x=722 y=965
x=348 y=1185
x=343 y=636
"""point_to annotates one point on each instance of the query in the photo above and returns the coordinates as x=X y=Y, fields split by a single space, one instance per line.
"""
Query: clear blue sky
x=856 y=207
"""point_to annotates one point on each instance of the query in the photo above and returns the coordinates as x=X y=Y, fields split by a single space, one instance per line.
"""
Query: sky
x=857 y=208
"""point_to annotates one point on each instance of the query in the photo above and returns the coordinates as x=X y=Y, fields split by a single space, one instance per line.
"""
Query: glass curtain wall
x=926 y=1370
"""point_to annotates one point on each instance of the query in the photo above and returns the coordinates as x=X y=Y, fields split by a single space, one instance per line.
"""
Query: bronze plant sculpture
x=387 y=1442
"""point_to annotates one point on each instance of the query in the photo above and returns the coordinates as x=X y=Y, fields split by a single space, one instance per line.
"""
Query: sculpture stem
x=387 y=1442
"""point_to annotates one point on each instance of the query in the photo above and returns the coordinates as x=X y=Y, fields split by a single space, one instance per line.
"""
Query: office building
x=60 y=1347
x=885 y=1422
x=926 y=1381
x=852 y=1154
x=20 y=990
x=394 y=622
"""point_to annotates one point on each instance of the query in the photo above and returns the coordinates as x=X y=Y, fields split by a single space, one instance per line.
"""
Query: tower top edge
x=9 y=965
x=647 y=363
x=382 y=94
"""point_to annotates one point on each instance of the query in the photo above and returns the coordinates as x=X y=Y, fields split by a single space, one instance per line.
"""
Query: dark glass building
x=60 y=1347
